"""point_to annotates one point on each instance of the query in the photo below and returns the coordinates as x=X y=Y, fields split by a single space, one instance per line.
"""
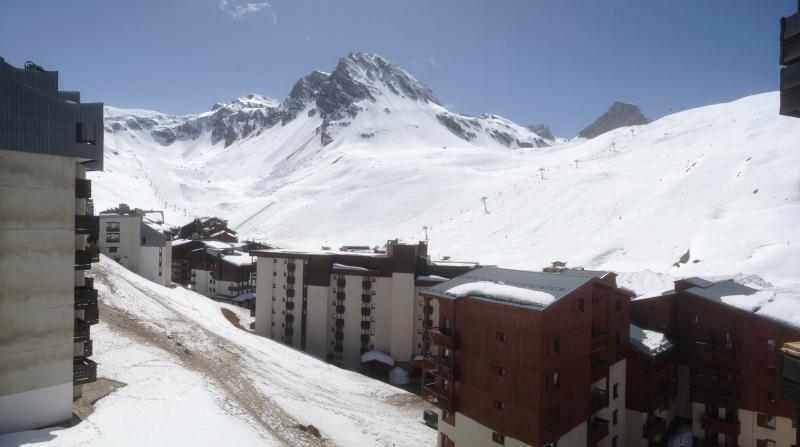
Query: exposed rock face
x=542 y=130
x=620 y=114
x=335 y=99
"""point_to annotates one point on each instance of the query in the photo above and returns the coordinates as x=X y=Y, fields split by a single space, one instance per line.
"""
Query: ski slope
x=194 y=379
x=719 y=182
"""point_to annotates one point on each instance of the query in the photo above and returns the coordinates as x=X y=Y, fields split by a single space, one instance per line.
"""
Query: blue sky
x=560 y=62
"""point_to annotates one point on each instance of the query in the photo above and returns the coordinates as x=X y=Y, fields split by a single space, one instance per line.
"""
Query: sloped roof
x=558 y=284
x=649 y=342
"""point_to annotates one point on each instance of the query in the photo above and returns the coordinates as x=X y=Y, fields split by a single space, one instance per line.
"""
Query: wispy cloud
x=433 y=62
x=275 y=17
x=242 y=10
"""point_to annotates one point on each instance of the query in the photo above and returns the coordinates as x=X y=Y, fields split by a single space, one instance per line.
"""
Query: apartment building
x=651 y=387
x=340 y=305
x=48 y=141
x=208 y=228
x=728 y=340
x=220 y=270
x=141 y=245
x=522 y=358
x=790 y=379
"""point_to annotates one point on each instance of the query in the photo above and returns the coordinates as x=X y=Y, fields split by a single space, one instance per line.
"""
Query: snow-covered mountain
x=367 y=153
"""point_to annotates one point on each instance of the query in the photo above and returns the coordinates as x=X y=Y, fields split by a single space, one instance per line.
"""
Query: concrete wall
x=127 y=249
x=264 y=267
x=318 y=321
x=37 y=242
x=402 y=323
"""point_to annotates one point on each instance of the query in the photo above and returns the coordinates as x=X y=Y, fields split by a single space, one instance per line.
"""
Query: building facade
x=48 y=140
x=139 y=245
x=340 y=305
x=728 y=340
x=220 y=271
x=521 y=358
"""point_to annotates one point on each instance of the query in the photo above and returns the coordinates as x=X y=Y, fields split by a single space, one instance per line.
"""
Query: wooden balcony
x=440 y=338
x=718 y=348
x=790 y=377
x=721 y=426
x=435 y=394
x=599 y=340
x=717 y=398
x=654 y=427
x=598 y=400
x=597 y=430
x=83 y=371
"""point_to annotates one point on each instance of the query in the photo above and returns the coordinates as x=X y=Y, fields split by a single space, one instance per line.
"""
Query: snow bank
x=398 y=376
x=503 y=292
x=336 y=265
x=377 y=356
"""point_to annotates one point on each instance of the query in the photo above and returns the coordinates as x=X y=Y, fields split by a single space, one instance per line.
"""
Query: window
x=695 y=319
x=615 y=390
x=771 y=370
x=771 y=420
x=501 y=336
x=552 y=381
x=498 y=405
x=617 y=339
x=554 y=347
x=615 y=417
x=614 y=440
x=498 y=438
x=577 y=305
x=770 y=345
x=112 y=249
x=112 y=227
x=500 y=370
x=551 y=444
x=771 y=397
x=618 y=305
x=553 y=417
x=143 y=240
x=112 y=237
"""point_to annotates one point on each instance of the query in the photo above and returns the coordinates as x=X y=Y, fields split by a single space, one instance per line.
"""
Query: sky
x=557 y=62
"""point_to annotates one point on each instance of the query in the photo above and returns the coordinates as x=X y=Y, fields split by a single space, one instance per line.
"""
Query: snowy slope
x=193 y=379
x=341 y=166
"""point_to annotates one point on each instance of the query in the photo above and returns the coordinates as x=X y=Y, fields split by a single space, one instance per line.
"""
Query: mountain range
x=367 y=153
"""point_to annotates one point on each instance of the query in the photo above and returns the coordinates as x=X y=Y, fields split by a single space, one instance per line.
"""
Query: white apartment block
x=137 y=244
x=340 y=305
x=48 y=140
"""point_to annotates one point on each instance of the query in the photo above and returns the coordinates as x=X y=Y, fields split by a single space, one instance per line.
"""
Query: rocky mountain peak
x=541 y=130
x=620 y=114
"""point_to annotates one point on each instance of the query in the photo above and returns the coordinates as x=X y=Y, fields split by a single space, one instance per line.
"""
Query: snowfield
x=194 y=379
x=719 y=182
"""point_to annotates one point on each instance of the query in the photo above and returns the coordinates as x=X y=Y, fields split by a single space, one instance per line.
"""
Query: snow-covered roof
x=649 y=342
x=337 y=266
x=177 y=242
x=502 y=292
x=514 y=286
x=216 y=244
x=431 y=278
x=239 y=258
x=378 y=356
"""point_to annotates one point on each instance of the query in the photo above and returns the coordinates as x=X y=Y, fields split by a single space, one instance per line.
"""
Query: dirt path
x=217 y=359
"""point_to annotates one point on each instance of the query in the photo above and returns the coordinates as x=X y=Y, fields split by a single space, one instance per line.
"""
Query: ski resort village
x=360 y=264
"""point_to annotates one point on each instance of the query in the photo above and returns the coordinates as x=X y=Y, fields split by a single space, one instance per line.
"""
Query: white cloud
x=274 y=18
x=433 y=61
x=239 y=11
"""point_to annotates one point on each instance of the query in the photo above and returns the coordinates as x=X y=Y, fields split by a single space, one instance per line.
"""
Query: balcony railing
x=84 y=258
x=83 y=188
x=717 y=398
x=87 y=225
x=654 y=427
x=436 y=394
x=91 y=316
x=599 y=370
x=719 y=348
x=721 y=426
x=85 y=297
x=597 y=430
x=599 y=400
x=440 y=338
x=83 y=371
x=82 y=331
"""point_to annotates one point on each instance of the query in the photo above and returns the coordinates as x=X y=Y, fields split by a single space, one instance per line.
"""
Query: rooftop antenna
x=426 y=228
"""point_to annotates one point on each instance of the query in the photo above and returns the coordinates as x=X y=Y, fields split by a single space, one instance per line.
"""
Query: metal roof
x=715 y=291
x=699 y=282
x=558 y=284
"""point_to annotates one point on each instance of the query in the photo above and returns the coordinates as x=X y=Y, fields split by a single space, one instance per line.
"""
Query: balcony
x=596 y=431
x=654 y=427
x=83 y=371
x=87 y=225
x=660 y=397
x=366 y=285
x=88 y=348
x=82 y=331
x=438 y=395
x=599 y=400
x=91 y=316
x=717 y=398
x=440 y=338
x=83 y=188
x=438 y=367
x=721 y=426
x=84 y=258
x=599 y=370
x=718 y=348
x=599 y=340
x=85 y=297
